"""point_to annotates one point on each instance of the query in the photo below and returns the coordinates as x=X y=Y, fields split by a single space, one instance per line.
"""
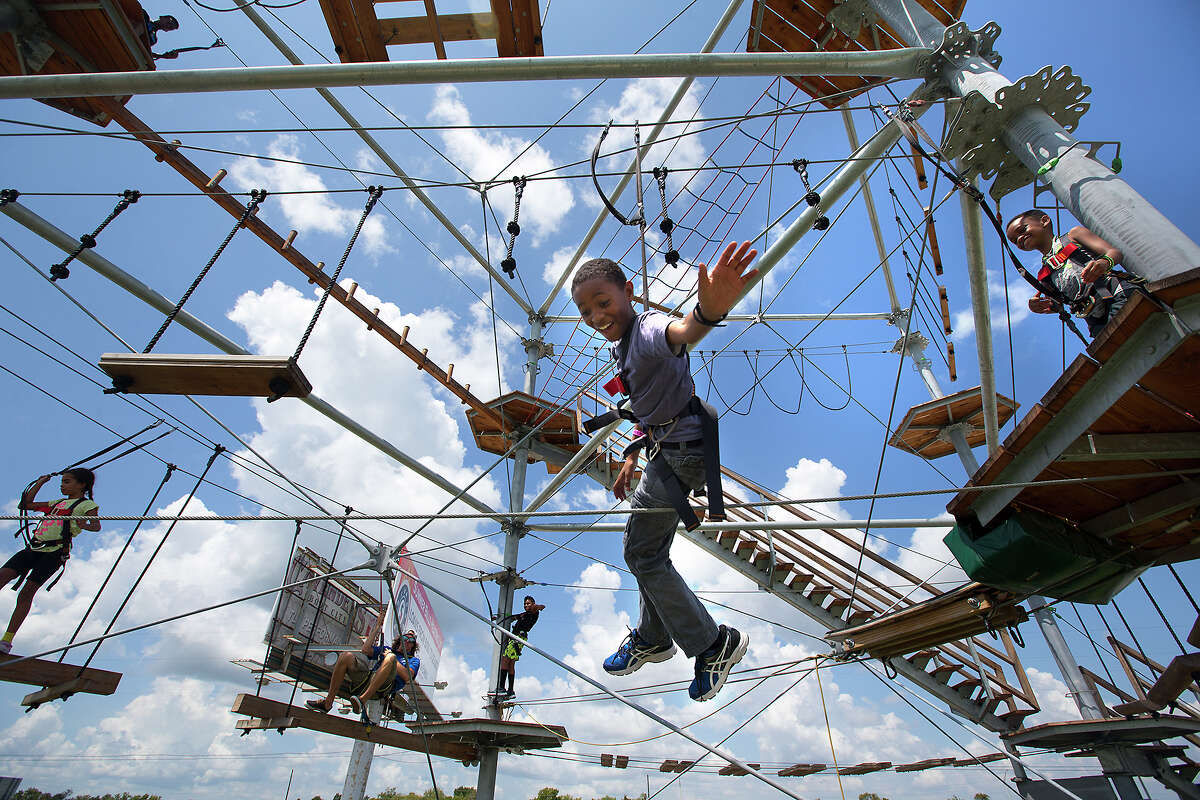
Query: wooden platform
x=805 y=26
x=216 y=374
x=1092 y=733
x=517 y=412
x=918 y=432
x=513 y=736
x=359 y=34
x=56 y=679
x=1130 y=405
x=967 y=611
x=59 y=38
x=336 y=725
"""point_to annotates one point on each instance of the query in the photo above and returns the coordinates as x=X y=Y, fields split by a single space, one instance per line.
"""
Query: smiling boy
x=651 y=354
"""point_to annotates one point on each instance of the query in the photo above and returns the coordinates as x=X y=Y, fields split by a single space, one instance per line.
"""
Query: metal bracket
x=382 y=556
x=960 y=43
x=504 y=576
x=944 y=435
x=849 y=17
x=913 y=344
x=514 y=527
x=544 y=349
x=976 y=139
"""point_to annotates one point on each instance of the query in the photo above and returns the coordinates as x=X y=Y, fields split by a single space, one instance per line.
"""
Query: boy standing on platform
x=653 y=369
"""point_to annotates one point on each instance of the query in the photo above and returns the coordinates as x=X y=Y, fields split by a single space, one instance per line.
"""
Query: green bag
x=1031 y=553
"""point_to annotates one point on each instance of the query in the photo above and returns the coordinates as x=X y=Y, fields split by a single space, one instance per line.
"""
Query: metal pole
x=359 y=768
x=123 y=279
x=772 y=317
x=1087 y=699
x=1153 y=246
x=385 y=157
x=572 y=466
x=872 y=217
x=760 y=525
x=489 y=756
x=972 y=220
x=672 y=104
x=900 y=63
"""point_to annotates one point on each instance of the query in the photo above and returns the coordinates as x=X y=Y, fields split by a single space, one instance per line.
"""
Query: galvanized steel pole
x=901 y=63
x=1153 y=246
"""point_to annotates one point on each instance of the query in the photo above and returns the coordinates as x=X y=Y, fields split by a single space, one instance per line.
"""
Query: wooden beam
x=336 y=725
x=37 y=672
x=453 y=27
x=439 y=44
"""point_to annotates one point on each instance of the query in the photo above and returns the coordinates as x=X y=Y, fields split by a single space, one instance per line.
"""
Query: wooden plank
x=1121 y=327
x=800 y=770
x=63 y=690
x=211 y=374
x=1176 y=287
x=435 y=29
x=506 y=46
x=454 y=28
x=37 y=672
x=928 y=763
x=263 y=708
x=864 y=768
x=343 y=28
x=524 y=32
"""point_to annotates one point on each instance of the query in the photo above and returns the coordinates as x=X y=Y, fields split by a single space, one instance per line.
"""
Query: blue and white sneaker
x=714 y=664
x=634 y=652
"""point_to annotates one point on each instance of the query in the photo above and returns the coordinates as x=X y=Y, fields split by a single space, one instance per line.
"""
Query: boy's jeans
x=669 y=609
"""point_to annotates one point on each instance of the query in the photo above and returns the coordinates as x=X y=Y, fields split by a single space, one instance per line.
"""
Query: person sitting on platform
x=374 y=670
x=50 y=545
x=1078 y=267
x=521 y=625
x=651 y=354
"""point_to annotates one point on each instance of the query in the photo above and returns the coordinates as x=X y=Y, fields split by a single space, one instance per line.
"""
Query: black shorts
x=39 y=566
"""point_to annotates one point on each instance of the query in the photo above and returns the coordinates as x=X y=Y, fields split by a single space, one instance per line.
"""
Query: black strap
x=636 y=219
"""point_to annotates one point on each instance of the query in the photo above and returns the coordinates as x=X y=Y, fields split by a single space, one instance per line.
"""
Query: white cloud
x=1019 y=293
x=316 y=210
x=483 y=154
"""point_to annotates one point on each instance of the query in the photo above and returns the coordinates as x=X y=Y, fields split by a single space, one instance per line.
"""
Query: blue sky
x=168 y=729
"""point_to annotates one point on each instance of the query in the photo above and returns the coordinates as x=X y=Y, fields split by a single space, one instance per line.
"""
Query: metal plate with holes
x=849 y=17
x=960 y=42
x=976 y=139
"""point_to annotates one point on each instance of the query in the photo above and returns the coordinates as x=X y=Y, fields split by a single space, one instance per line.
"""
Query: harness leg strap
x=677 y=493
x=712 y=458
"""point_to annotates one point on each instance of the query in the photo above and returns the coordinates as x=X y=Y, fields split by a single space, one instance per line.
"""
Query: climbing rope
x=88 y=240
x=810 y=196
x=667 y=225
x=509 y=264
x=373 y=195
x=257 y=196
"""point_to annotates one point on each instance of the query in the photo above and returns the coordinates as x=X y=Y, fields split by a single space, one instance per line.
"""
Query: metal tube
x=872 y=217
x=385 y=157
x=663 y=119
x=764 y=525
x=972 y=220
x=1087 y=699
x=1153 y=246
x=107 y=269
x=572 y=466
x=772 y=317
x=901 y=63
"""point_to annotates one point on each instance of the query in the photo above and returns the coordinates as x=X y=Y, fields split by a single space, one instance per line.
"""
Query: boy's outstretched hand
x=719 y=290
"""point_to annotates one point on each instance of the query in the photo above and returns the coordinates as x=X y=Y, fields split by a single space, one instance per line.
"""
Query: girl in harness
x=49 y=546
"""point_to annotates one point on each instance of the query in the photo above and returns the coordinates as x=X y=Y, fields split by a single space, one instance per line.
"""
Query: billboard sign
x=342 y=617
x=415 y=613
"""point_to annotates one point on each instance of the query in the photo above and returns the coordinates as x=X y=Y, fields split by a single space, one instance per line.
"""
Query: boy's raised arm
x=718 y=291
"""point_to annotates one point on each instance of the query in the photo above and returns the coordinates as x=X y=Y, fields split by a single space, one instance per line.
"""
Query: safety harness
x=66 y=535
x=644 y=438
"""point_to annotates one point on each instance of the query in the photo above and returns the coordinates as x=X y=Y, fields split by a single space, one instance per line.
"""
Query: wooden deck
x=56 y=679
x=805 y=26
x=1129 y=406
x=360 y=34
x=214 y=374
x=56 y=38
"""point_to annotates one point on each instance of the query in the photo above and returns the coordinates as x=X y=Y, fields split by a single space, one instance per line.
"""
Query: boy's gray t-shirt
x=659 y=380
